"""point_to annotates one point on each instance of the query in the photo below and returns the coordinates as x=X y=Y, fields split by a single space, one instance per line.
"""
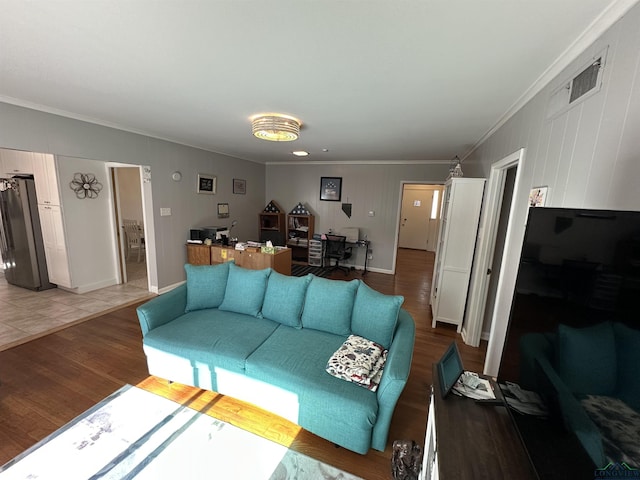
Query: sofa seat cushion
x=213 y=337
x=295 y=360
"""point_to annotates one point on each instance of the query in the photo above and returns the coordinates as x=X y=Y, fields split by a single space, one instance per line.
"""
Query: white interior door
x=418 y=224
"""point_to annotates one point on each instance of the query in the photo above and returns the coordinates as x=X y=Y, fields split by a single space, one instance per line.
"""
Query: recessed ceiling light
x=300 y=153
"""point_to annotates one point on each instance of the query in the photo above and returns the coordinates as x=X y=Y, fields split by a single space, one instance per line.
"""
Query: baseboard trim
x=168 y=288
x=91 y=286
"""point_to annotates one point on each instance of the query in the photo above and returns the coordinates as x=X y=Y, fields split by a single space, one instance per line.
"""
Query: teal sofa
x=265 y=338
x=589 y=378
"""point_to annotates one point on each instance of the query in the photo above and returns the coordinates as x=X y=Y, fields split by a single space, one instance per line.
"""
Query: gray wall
x=368 y=187
x=30 y=130
x=588 y=157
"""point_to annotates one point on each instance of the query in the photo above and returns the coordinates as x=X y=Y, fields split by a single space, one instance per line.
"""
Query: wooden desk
x=467 y=440
x=214 y=254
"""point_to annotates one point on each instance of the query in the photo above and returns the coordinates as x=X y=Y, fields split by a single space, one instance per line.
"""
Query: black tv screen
x=578 y=269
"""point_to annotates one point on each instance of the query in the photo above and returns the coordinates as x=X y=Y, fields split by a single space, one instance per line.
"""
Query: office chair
x=336 y=248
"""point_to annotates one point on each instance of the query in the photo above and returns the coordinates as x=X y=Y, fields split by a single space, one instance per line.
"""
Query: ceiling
x=393 y=80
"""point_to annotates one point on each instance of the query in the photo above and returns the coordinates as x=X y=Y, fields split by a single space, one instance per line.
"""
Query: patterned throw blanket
x=619 y=425
x=360 y=361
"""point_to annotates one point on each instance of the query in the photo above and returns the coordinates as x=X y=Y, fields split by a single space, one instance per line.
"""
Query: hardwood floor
x=49 y=381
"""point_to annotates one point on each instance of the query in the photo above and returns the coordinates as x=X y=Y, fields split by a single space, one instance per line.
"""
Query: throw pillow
x=328 y=305
x=375 y=315
x=206 y=285
x=628 y=349
x=245 y=290
x=284 y=299
x=586 y=358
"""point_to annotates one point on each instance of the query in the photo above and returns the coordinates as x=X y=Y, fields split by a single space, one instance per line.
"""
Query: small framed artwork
x=206 y=184
x=331 y=189
x=239 y=186
x=223 y=210
x=538 y=196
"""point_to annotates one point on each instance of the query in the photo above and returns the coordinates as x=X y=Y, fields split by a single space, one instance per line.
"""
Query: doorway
x=130 y=226
x=495 y=226
x=496 y=262
x=420 y=216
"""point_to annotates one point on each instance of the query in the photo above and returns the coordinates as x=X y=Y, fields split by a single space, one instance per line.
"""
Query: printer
x=352 y=234
x=212 y=232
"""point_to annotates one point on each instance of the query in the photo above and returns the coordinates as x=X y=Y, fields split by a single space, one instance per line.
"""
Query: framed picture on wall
x=206 y=184
x=239 y=186
x=538 y=196
x=331 y=189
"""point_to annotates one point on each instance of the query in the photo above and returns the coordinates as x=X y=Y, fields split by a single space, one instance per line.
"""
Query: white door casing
x=485 y=250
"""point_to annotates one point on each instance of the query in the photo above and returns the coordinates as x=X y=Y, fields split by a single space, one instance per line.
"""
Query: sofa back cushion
x=375 y=315
x=328 y=305
x=284 y=299
x=245 y=290
x=586 y=358
x=206 y=285
x=628 y=350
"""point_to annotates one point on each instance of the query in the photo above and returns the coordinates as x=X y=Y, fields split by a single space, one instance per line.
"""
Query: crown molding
x=595 y=30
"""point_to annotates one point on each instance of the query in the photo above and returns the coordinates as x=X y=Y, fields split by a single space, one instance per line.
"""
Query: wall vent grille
x=585 y=81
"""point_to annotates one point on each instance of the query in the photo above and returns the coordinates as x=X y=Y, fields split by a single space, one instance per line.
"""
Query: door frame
x=486 y=243
x=426 y=195
x=147 y=218
x=399 y=214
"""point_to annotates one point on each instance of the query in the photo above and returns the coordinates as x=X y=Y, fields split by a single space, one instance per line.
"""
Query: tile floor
x=25 y=314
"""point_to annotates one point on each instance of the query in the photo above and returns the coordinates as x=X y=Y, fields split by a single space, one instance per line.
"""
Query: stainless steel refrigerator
x=21 y=245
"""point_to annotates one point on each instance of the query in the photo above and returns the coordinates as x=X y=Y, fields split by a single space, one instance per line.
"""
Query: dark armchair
x=336 y=248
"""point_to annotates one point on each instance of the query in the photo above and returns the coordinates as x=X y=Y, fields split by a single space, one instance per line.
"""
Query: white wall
x=88 y=235
x=31 y=130
x=589 y=156
x=372 y=187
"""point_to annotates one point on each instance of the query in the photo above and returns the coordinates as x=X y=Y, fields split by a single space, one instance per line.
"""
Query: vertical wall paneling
x=587 y=155
x=565 y=160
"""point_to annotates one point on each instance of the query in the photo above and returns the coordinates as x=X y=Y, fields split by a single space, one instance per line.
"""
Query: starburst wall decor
x=85 y=185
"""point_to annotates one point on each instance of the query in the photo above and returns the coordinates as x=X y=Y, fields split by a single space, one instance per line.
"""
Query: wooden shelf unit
x=299 y=234
x=272 y=227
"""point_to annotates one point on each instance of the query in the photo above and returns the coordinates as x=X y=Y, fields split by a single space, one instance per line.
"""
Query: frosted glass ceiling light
x=275 y=127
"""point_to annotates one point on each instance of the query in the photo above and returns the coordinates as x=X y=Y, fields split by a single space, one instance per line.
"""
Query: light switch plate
x=165 y=212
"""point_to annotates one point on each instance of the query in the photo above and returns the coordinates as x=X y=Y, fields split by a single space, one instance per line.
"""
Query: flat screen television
x=579 y=269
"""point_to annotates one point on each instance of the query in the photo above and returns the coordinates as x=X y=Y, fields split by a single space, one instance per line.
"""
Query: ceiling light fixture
x=275 y=127
x=300 y=153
